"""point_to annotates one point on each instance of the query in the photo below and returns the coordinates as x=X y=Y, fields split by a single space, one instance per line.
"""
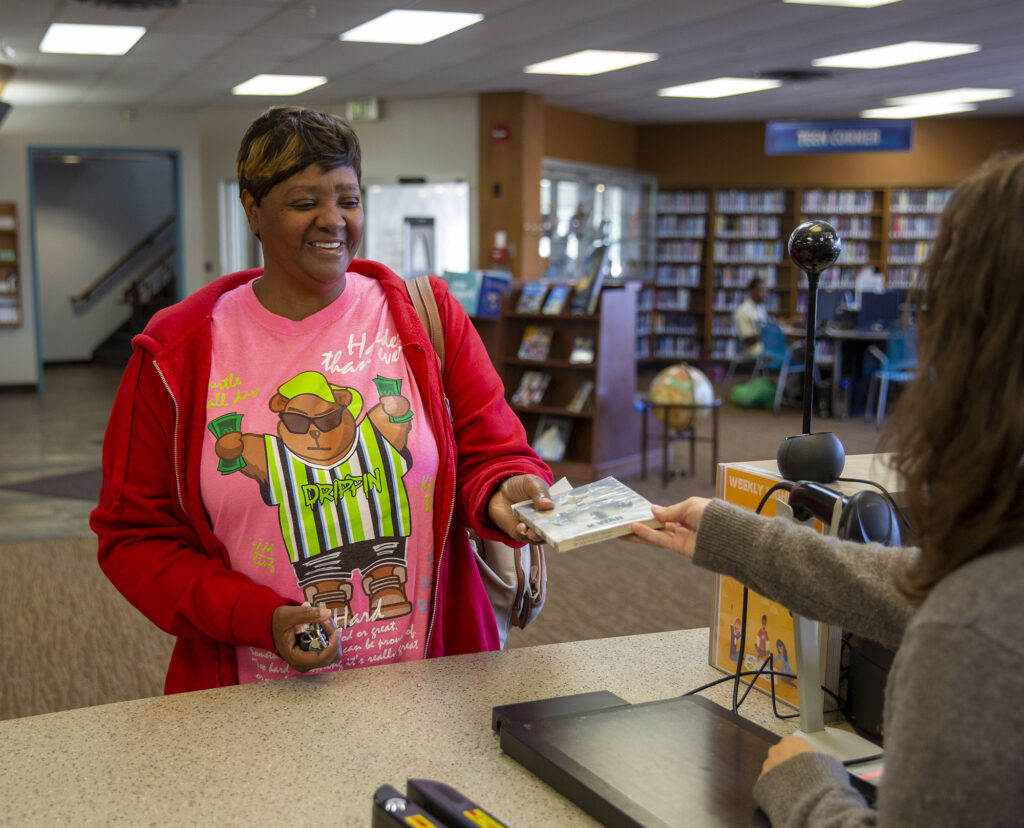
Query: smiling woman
x=286 y=449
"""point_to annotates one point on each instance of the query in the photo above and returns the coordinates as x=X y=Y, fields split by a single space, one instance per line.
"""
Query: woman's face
x=310 y=226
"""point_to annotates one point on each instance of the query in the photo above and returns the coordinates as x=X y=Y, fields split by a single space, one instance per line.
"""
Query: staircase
x=149 y=269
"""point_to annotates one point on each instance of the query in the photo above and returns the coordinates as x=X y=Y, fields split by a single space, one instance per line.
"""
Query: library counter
x=312 y=750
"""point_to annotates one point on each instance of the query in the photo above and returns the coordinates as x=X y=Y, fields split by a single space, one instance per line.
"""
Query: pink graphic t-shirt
x=318 y=469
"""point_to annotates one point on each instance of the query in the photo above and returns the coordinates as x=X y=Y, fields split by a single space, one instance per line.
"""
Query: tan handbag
x=515 y=579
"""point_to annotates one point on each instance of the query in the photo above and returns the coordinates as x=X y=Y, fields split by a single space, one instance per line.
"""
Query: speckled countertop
x=312 y=750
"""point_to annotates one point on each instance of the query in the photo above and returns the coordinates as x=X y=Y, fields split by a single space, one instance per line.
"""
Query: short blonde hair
x=286 y=139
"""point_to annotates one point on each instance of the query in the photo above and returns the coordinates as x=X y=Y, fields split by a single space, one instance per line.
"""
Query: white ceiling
x=193 y=54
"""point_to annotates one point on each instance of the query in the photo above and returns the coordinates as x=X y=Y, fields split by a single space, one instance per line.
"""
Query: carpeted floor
x=67 y=637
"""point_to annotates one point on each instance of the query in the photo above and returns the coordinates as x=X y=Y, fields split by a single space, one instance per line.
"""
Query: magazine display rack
x=585 y=414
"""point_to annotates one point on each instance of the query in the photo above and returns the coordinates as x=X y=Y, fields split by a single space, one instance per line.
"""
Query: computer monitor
x=828 y=304
x=878 y=311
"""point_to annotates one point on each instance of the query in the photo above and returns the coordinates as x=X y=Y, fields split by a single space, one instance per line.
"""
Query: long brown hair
x=958 y=429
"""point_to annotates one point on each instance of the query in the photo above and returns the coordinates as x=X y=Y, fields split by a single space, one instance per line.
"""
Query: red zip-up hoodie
x=156 y=543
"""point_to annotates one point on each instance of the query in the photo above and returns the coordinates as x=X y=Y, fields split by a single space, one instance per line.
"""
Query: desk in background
x=312 y=750
x=847 y=342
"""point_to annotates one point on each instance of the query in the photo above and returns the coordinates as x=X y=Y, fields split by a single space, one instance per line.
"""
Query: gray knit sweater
x=954 y=702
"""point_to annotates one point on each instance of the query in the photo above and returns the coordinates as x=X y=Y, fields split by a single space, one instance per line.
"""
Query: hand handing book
x=587 y=514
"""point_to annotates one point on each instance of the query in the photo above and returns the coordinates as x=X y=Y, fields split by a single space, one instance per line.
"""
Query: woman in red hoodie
x=283 y=449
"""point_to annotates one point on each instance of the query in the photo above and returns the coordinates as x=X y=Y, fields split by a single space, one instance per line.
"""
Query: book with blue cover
x=531 y=297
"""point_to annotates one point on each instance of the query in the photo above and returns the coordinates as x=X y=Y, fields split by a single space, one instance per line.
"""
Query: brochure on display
x=587 y=514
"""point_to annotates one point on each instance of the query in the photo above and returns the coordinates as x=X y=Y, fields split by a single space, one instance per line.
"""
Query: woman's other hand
x=680 y=530
x=515 y=490
x=286 y=624
x=785 y=748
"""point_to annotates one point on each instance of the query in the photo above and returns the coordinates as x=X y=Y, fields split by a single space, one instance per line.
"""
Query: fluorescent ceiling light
x=278 y=84
x=917 y=110
x=963 y=94
x=410 y=27
x=719 y=87
x=589 y=62
x=853 y=4
x=82 y=39
x=898 y=54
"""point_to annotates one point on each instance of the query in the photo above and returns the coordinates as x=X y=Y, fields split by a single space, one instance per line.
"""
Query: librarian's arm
x=681 y=521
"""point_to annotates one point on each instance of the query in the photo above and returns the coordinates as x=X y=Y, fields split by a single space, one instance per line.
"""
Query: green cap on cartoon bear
x=313 y=382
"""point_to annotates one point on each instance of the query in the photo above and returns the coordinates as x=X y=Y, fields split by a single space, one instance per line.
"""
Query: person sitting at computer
x=749 y=316
x=952 y=718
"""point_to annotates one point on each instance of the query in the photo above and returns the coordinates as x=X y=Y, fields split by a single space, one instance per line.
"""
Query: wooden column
x=511 y=149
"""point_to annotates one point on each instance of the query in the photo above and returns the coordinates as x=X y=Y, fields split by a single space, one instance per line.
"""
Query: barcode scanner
x=866 y=517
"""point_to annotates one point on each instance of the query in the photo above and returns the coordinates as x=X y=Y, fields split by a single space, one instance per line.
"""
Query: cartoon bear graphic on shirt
x=337 y=482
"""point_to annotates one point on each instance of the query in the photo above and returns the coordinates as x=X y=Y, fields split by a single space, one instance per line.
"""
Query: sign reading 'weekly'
x=800 y=137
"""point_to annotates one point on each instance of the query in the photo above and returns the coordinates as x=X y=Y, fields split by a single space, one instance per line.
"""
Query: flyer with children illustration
x=769 y=624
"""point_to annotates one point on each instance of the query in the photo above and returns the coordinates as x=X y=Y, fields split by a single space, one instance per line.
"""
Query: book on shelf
x=531 y=388
x=587 y=291
x=581 y=396
x=531 y=297
x=552 y=437
x=587 y=514
x=556 y=299
x=536 y=342
x=582 y=350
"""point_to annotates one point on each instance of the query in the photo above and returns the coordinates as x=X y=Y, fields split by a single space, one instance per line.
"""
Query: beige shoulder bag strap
x=426 y=306
x=515 y=579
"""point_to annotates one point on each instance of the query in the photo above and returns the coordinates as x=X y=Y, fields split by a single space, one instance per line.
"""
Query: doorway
x=106 y=238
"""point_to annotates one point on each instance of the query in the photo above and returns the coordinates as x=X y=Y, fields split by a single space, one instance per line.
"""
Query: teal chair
x=777 y=358
x=898 y=363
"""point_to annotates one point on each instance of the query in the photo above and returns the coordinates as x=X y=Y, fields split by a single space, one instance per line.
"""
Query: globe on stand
x=681 y=384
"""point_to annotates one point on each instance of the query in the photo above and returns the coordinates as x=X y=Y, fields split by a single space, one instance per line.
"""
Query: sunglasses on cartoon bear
x=299 y=423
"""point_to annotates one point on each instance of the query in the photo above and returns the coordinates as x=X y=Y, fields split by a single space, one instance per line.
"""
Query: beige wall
x=435 y=138
x=732 y=155
x=430 y=137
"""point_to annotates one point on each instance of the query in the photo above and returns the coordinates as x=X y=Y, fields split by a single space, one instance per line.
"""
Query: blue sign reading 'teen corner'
x=799 y=137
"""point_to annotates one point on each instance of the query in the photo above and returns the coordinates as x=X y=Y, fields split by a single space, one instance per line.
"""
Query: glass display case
x=585 y=206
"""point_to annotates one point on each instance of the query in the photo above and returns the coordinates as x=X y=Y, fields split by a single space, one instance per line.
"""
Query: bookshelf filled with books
x=913 y=224
x=750 y=232
x=671 y=314
x=700 y=278
x=857 y=215
x=570 y=377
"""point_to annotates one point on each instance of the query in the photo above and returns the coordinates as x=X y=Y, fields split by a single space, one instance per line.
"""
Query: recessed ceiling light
x=410 y=27
x=278 y=84
x=853 y=4
x=963 y=94
x=898 y=54
x=83 y=39
x=922 y=110
x=590 y=62
x=719 y=87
